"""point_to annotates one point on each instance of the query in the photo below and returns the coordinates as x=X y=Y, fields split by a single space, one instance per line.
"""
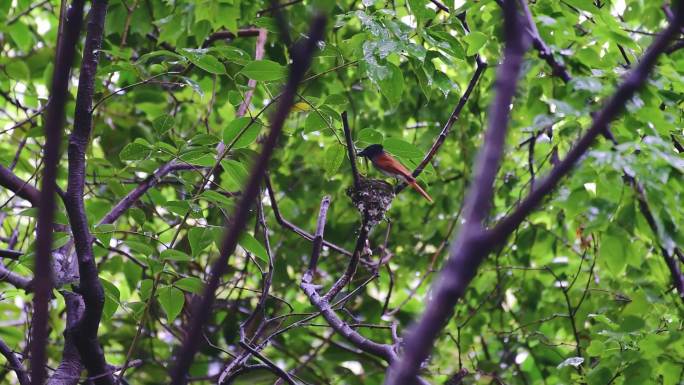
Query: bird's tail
x=415 y=186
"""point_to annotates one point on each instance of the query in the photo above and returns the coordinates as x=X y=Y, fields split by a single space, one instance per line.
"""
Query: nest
x=372 y=199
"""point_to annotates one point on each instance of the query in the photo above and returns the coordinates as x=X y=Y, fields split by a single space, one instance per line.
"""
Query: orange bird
x=388 y=165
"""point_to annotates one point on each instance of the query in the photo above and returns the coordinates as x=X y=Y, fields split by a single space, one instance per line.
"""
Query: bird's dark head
x=371 y=151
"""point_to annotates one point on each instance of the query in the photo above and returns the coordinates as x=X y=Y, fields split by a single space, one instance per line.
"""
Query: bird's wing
x=391 y=165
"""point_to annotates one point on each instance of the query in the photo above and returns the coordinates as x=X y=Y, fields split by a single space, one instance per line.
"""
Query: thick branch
x=634 y=80
x=466 y=256
x=69 y=370
x=54 y=124
x=14 y=363
x=203 y=307
x=90 y=287
x=14 y=279
x=468 y=250
x=18 y=186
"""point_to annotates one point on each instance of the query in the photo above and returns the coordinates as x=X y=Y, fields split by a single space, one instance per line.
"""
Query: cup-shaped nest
x=372 y=199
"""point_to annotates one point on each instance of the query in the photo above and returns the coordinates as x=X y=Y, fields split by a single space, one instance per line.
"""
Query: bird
x=388 y=165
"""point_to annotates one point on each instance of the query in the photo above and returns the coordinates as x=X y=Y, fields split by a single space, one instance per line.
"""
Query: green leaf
x=22 y=35
x=392 y=86
x=240 y=133
x=315 y=122
x=401 y=148
x=369 y=136
x=475 y=41
x=174 y=255
x=199 y=238
x=264 y=70
x=190 y=284
x=171 y=300
x=204 y=60
x=218 y=199
x=613 y=250
x=133 y=274
x=333 y=158
x=249 y=243
x=112 y=299
x=163 y=123
x=134 y=151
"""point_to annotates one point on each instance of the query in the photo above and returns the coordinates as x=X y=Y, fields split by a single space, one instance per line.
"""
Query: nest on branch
x=372 y=199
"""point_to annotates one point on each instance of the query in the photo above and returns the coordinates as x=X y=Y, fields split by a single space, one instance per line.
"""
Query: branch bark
x=202 y=308
x=69 y=370
x=468 y=250
x=14 y=363
x=54 y=123
x=351 y=151
x=466 y=256
x=134 y=195
x=90 y=287
x=18 y=186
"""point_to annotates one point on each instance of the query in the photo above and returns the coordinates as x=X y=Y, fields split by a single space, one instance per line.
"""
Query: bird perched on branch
x=388 y=165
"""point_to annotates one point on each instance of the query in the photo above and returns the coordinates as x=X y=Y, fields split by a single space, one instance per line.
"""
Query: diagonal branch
x=14 y=279
x=202 y=308
x=644 y=207
x=479 y=70
x=18 y=186
x=90 y=287
x=54 y=123
x=129 y=200
x=472 y=246
x=14 y=363
x=542 y=48
x=323 y=305
x=290 y=226
x=468 y=250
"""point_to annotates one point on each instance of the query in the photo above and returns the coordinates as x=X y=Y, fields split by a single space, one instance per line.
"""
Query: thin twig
x=351 y=151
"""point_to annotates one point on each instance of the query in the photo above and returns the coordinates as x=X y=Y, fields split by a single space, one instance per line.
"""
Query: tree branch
x=54 y=123
x=134 y=195
x=468 y=249
x=15 y=279
x=290 y=226
x=323 y=304
x=69 y=370
x=90 y=287
x=18 y=186
x=202 y=309
x=479 y=70
x=14 y=363
x=466 y=256
x=634 y=80
x=539 y=44
x=318 y=237
x=351 y=151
